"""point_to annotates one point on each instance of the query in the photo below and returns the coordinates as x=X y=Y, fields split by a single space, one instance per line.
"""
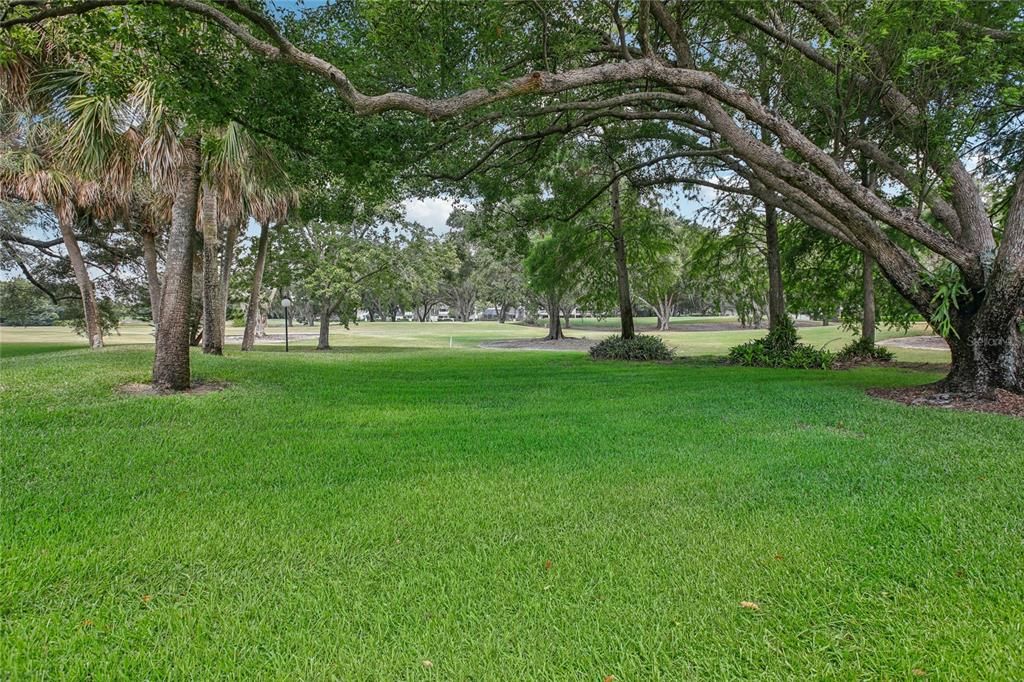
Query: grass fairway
x=502 y=515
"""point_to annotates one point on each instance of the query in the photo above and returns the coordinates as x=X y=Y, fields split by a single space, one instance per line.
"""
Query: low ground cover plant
x=781 y=348
x=639 y=348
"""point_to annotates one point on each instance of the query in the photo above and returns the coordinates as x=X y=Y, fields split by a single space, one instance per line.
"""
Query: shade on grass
x=504 y=516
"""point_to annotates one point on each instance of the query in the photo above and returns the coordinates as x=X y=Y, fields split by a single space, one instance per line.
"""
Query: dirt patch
x=540 y=344
x=917 y=343
x=933 y=395
x=197 y=388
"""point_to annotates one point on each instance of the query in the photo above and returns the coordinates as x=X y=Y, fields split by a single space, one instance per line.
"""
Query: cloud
x=432 y=212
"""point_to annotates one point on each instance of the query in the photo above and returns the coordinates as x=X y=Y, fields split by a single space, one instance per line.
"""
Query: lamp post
x=286 y=303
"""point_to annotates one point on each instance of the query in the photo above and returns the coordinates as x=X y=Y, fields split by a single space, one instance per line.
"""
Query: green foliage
x=73 y=316
x=640 y=348
x=730 y=269
x=825 y=279
x=864 y=349
x=781 y=348
x=949 y=287
x=22 y=304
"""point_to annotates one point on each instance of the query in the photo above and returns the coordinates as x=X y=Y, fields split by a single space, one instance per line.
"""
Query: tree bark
x=776 y=293
x=664 y=311
x=986 y=355
x=554 y=318
x=324 y=340
x=227 y=262
x=93 y=330
x=152 y=274
x=211 y=276
x=252 y=311
x=867 y=327
x=988 y=348
x=171 y=369
x=621 y=267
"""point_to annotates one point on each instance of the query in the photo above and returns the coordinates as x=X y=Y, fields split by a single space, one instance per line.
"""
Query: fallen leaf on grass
x=610 y=678
x=86 y=623
x=146 y=598
x=750 y=605
x=427 y=663
x=917 y=672
x=547 y=565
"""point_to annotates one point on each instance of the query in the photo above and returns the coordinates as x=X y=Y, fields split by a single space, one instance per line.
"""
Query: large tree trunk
x=93 y=330
x=212 y=334
x=621 y=267
x=171 y=363
x=252 y=312
x=867 y=327
x=987 y=354
x=152 y=274
x=776 y=294
x=324 y=340
x=554 y=318
x=988 y=349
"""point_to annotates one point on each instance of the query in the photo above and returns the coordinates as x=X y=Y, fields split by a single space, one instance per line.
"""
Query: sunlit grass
x=502 y=515
x=471 y=335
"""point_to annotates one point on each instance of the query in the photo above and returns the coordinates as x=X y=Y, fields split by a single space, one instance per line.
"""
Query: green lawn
x=503 y=515
x=16 y=340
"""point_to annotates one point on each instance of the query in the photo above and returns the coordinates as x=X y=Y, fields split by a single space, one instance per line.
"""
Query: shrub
x=780 y=348
x=638 y=348
x=864 y=349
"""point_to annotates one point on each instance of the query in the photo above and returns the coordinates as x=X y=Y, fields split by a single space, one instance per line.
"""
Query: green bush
x=638 y=348
x=864 y=349
x=780 y=348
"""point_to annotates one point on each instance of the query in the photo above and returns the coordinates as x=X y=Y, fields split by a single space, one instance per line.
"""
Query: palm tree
x=241 y=178
x=32 y=170
x=132 y=148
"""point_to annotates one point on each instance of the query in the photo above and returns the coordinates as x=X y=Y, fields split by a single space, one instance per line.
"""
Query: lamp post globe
x=286 y=303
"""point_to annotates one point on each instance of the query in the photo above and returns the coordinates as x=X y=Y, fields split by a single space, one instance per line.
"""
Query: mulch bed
x=197 y=388
x=933 y=395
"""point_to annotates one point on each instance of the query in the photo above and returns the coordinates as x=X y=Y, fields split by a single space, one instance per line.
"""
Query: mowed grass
x=502 y=515
x=688 y=343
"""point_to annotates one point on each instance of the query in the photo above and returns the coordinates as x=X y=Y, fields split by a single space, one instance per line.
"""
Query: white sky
x=430 y=212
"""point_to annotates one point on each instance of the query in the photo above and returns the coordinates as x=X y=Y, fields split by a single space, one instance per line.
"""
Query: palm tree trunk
x=152 y=274
x=171 y=369
x=227 y=262
x=92 y=316
x=253 y=310
x=211 y=274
